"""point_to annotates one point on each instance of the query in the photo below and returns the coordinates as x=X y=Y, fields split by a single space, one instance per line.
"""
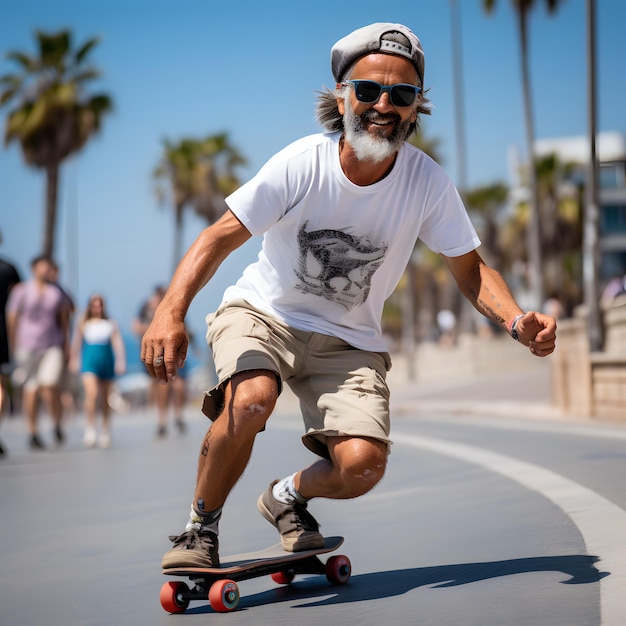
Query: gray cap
x=379 y=38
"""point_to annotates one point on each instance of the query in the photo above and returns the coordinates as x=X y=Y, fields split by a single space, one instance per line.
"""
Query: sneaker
x=59 y=436
x=36 y=443
x=161 y=432
x=2 y=450
x=89 y=439
x=104 y=440
x=180 y=424
x=297 y=527
x=192 y=549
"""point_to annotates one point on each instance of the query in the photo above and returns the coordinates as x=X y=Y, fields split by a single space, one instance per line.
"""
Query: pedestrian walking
x=98 y=354
x=175 y=394
x=38 y=325
x=9 y=277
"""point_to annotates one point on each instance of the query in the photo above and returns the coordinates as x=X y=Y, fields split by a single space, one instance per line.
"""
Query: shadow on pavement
x=376 y=585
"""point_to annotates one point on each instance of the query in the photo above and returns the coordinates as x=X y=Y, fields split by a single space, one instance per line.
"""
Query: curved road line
x=601 y=523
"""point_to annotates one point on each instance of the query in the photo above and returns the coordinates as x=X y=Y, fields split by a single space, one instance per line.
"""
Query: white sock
x=204 y=521
x=285 y=491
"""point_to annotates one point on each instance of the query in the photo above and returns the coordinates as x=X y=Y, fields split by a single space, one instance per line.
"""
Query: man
x=38 y=325
x=340 y=213
x=9 y=277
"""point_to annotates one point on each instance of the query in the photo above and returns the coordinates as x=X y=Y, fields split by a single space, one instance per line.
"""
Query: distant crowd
x=49 y=358
x=45 y=354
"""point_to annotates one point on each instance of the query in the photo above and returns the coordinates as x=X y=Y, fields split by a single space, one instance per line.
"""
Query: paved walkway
x=484 y=377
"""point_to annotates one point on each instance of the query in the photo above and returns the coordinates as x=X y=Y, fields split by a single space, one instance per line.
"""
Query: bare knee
x=249 y=400
x=361 y=464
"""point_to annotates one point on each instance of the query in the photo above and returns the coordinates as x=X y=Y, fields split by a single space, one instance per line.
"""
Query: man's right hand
x=164 y=346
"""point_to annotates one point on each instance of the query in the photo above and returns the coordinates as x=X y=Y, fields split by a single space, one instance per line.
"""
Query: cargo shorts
x=342 y=390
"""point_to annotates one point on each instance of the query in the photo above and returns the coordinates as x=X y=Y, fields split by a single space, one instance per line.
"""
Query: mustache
x=374 y=116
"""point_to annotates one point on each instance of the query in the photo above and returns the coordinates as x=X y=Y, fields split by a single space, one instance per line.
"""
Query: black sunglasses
x=369 y=91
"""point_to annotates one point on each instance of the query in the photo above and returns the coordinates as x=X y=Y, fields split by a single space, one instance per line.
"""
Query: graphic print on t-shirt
x=337 y=266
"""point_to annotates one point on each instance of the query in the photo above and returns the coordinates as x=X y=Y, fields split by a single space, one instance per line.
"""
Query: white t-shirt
x=332 y=251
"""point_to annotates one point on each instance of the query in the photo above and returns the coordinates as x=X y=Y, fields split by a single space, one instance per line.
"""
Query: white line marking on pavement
x=601 y=523
x=599 y=431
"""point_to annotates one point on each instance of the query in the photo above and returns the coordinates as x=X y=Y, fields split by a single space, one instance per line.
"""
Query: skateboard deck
x=219 y=584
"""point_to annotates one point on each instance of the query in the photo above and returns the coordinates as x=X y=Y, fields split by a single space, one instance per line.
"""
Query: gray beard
x=368 y=147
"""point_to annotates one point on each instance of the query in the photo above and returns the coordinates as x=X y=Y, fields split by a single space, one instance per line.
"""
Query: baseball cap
x=379 y=38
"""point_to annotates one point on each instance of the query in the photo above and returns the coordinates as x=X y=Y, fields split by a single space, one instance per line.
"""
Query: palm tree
x=559 y=202
x=217 y=165
x=561 y=211
x=487 y=200
x=522 y=10
x=196 y=174
x=53 y=117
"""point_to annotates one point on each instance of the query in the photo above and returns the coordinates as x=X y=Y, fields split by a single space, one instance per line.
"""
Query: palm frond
x=28 y=64
x=86 y=75
x=100 y=103
x=84 y=50
x=53 y=48
x=11 y=88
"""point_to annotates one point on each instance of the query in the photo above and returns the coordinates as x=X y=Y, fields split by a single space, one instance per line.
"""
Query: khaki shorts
x=342 y=390
x=38 y=369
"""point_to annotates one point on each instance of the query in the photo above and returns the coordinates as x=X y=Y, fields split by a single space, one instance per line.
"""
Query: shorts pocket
x=235 y=323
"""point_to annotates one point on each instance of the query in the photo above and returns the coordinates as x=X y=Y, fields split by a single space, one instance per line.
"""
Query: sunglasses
x=369 y=91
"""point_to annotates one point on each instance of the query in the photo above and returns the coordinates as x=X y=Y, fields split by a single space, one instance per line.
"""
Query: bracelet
x=513 y=331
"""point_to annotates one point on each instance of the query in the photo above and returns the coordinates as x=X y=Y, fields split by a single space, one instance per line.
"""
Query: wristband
x=513 y=331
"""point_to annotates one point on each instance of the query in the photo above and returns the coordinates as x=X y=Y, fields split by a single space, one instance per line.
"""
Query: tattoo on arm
x=486 y=308
x=490 y=312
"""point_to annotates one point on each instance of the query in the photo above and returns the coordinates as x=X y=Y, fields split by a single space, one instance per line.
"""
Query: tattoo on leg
x=205 y=445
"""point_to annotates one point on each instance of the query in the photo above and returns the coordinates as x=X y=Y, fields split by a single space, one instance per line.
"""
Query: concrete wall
x=592 y=385
x=609 y=367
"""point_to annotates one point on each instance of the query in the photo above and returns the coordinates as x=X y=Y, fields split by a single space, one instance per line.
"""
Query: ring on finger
x=158 y=360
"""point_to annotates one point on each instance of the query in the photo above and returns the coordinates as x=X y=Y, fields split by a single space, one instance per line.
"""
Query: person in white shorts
x=339 y=213
x=38 y=327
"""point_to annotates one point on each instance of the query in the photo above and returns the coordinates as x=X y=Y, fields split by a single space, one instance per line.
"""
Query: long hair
x=87 y=314
x=328 y=116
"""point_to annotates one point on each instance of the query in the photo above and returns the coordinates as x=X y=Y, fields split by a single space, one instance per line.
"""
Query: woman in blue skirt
x=98 y=351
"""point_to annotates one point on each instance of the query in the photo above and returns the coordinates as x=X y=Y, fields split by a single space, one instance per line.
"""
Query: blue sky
x=194 y=68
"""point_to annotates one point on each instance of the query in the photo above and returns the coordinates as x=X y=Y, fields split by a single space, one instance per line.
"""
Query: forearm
x=491 y=297
x=11 y=322
x=164 y=344
x=65 y=325
x=77 y=343
x=193 y=272
x=117 y=344
x=200 y=263
x=485 y=288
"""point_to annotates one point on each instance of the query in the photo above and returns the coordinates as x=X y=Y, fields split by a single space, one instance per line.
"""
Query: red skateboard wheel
x=224 y=595
x=338 y=569
x=171 y=596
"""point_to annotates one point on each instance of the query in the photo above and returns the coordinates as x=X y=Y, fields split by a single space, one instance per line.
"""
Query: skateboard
x=219 y=584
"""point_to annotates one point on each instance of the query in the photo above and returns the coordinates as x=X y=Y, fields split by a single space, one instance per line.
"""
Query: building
x=611 y=155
